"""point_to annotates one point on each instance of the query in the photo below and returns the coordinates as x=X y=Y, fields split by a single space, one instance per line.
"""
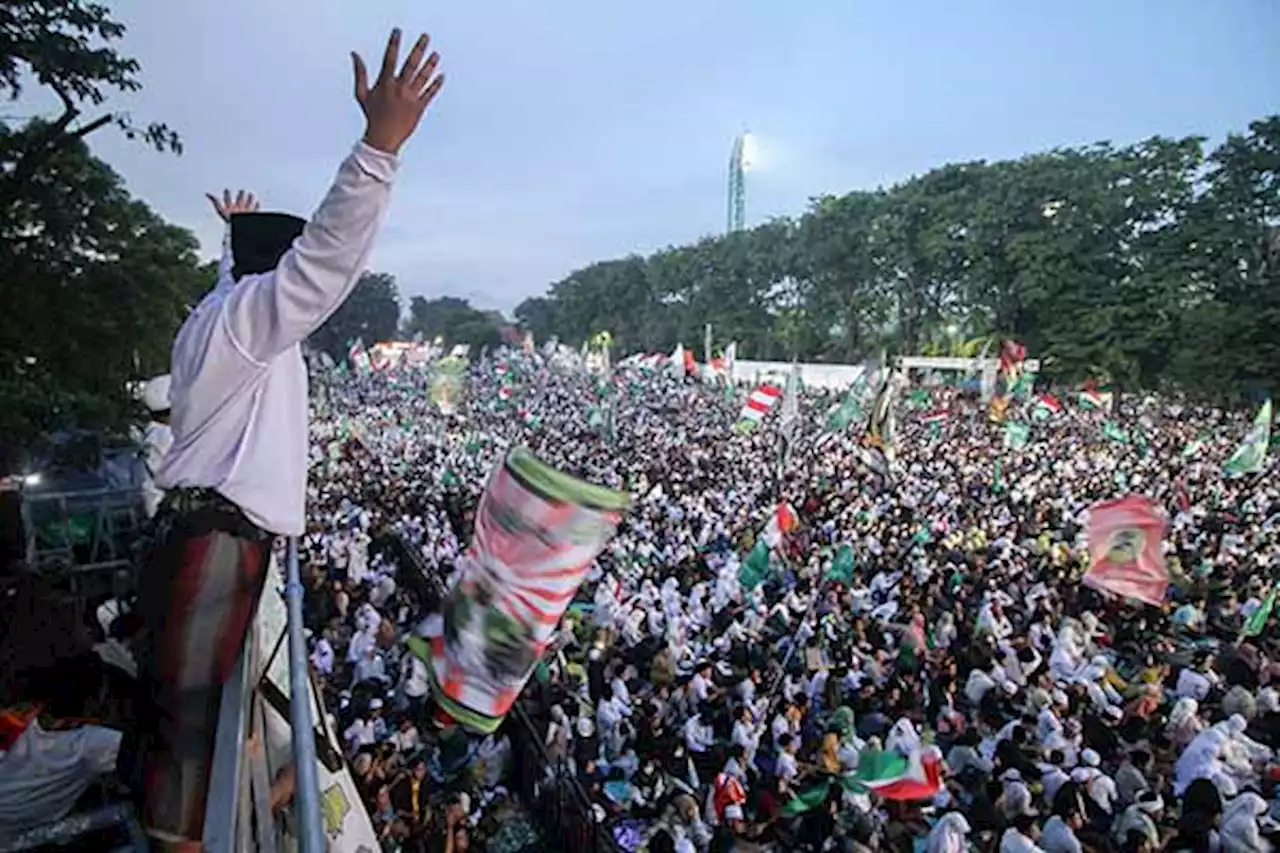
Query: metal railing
x=552 y=793
x=230 y=813
x=306 y=796
x=222 y=806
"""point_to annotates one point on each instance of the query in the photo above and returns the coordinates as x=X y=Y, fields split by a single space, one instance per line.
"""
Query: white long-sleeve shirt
x=239 y=387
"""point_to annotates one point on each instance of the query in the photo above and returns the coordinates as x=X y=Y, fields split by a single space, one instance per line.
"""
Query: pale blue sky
x=574 y=131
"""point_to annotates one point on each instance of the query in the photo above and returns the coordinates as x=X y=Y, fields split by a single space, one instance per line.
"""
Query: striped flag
x=1046 y=407
x=757 y=406
x=1092 y=399
x=935 y=419
x=893 y=776
x=886 y=773
x=783 y=521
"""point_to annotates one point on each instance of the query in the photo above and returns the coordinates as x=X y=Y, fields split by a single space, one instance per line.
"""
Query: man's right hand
x=227 y=206
x=395 y=104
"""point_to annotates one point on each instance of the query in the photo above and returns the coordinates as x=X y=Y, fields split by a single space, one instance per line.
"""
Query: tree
x=68 y=47
x=95 y=285
x=453 y=320
x=537 y=316
x=1147 y=265
x=370 y=313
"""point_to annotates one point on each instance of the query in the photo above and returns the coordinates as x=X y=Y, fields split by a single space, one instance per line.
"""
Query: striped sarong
x=198 y=591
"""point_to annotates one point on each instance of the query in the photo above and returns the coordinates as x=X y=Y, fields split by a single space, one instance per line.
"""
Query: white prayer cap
x=155 y=393
x=375 y=704
x=1091 y=758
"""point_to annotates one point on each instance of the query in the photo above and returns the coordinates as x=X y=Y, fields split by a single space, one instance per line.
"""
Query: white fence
x=843 y=375
x=812 y=375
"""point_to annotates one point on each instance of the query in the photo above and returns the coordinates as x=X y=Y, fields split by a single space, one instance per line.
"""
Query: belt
x=209 y=510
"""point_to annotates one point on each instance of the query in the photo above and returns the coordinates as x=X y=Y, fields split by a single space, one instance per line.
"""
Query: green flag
x=1193 y=447
x=1113 y=432
x=1251 y=455
x=808 y=798
x=842 y=566
x=755 y=568
x=846 y=412
x=997 y=478
x=1016 y=435
x=1258 y=621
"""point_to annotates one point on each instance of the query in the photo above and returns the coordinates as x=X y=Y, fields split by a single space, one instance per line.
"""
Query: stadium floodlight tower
x=740 y=162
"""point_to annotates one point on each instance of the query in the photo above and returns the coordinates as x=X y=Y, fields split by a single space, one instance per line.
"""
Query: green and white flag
x=1258 y=621
x=755 y=568
x=1115 y=433
x=841 y=569
x=1251 y=455
x=1194 y=446
x=1016 y=435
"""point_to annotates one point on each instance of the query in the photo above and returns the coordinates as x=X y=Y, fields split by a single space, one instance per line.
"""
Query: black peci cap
x=259 y=240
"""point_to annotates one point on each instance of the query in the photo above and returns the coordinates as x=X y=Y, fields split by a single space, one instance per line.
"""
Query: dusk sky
x=573 y=131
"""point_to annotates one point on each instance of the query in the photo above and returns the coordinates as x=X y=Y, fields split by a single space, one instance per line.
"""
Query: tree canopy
x=370 y=314
x=1151 y=265
x=94 y=284
x=453 y=320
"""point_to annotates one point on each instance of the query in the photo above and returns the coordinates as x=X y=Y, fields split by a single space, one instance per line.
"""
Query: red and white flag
x=758 y=405
x=935 y=419
x=783 y=521
x=1046 y=405
x=1125 y=549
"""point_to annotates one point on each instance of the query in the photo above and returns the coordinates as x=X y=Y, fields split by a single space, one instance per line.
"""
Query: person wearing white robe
x=1194 y=684
x=322 y=657
x=156 y=441
x=949 y=835
x=1184 y=723
x=1239 y=832
x=1067 y=662
x=1202 y=760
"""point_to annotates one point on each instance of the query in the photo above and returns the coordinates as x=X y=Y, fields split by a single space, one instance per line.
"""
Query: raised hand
x=395 y=104
x=227 y=206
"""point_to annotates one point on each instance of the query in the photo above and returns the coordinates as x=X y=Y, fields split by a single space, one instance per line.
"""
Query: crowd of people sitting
x=701 y=706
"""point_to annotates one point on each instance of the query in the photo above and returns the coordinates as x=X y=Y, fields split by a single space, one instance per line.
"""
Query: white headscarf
x=949 y=835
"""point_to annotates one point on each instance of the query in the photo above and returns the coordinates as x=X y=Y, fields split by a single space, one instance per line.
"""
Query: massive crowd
x=702 y=708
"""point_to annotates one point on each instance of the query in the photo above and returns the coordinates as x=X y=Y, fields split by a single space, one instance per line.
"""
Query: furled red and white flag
x=1125 y=549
